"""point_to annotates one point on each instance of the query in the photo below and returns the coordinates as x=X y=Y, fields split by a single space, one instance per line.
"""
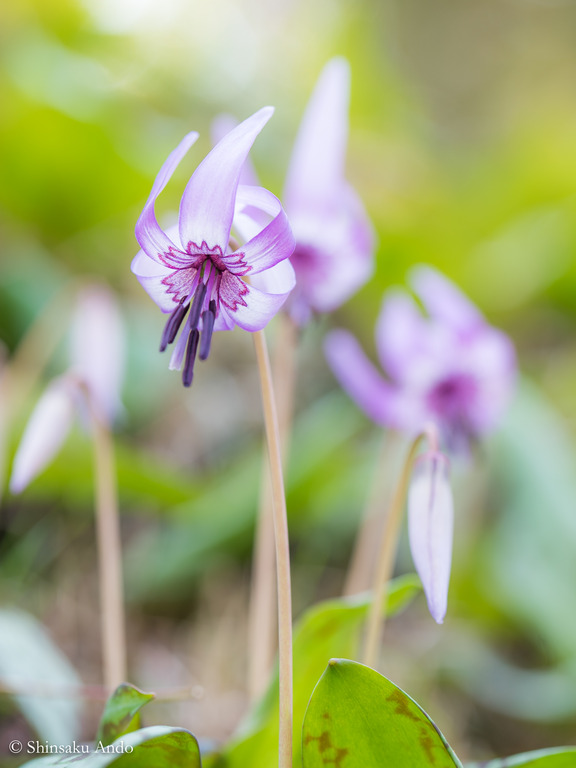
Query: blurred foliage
x=462 y=127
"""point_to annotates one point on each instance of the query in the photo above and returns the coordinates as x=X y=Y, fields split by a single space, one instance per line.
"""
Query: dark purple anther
x=172 y=326
x=197 y=303
x=208 y=318
x=191 y=348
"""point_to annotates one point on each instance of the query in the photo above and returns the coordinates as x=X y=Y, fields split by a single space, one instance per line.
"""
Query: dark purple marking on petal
x=191 y=348
x=232 y=291
x=180 y=283
x=173 y=325
x=208 y=318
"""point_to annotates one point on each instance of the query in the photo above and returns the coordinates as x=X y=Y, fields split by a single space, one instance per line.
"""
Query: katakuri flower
x=90 y=386
x=334 y=253
x=450 y=368
x=193 y=271
x=430 y=528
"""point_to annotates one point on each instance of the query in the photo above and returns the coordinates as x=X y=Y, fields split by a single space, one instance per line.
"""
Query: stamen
x=172 y=326
x=191 y=347
x=208 y=318
x=197 y=303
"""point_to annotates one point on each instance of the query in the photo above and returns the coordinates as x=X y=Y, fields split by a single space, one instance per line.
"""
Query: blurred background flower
x=461 y=146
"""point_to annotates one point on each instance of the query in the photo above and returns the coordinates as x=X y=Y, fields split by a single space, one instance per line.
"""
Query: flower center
x=452 y=399
x=202 y=303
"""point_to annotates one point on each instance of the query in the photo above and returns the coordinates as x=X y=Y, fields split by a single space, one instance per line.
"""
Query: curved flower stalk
x=194 y=272
x=450 y=368
x=96 y=370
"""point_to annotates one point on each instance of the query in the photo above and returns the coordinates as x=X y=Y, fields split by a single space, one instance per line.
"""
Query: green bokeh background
x=463 y=148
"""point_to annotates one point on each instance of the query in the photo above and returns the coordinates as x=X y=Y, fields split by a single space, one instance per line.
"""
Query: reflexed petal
x=490 y=358
x=401 y=332
x=222 y=125
x=245 y=305
x=165 y=285
x=279 y=279
x=444 y=301
x=207 y=206
x=430 y=529
x=273 y=243
x=318 y=158
x=151 y=238
x=359 y=377
x=45 y=432
x=97 y=349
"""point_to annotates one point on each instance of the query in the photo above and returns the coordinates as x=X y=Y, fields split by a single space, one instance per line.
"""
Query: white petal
x=430 y=529
x=45 y=432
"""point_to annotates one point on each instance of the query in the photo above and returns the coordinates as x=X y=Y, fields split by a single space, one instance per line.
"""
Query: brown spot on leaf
x=402 y=705
x=331 y=755
x=427 y=744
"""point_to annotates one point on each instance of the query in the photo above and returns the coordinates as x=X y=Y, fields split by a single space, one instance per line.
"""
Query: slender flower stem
x=282 y=551
x=388 y=546
x=263 y=602
x=363 y=560
x=109 y=555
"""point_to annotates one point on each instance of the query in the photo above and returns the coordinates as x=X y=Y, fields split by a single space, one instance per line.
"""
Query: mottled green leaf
x=358 y=719
x=120 y=710
x=558 y=757
x=157 y=747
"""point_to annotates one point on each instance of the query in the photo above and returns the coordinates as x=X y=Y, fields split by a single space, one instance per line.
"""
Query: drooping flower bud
x=430 y=528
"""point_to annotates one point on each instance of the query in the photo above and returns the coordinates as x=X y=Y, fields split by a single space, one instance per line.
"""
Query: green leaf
x=119 y=712
x=29 y=660
x=358 y=719
x=160 y=746
x=558 y=757
x=326 y=630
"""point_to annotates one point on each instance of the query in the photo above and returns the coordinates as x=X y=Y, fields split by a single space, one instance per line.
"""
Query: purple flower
x=450 y=368
x=96 y=369
x=430 y=528
x=334 y=253
x=192 y=271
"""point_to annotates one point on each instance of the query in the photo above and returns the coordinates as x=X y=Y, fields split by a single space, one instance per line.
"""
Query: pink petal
x=222 y=125
x=430 y=529
x=279 y=279
x=274 y=242
x=151 y=238
x=97 y=350
x=317 y=163
x=444 y=301
x=334 y=251
x=400 y=334
x=245 y=305
x=207 y=206
x=359 y=377
x=45 y=432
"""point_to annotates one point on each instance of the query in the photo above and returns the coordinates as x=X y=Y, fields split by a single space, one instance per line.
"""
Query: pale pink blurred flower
x=91 y=384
